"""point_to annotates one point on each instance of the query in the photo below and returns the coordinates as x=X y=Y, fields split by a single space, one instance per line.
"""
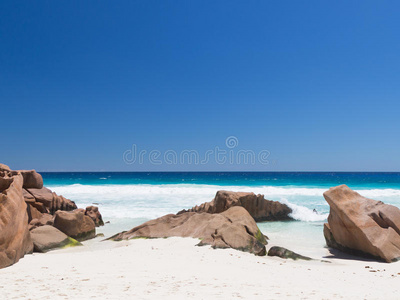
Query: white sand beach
x=174 y=268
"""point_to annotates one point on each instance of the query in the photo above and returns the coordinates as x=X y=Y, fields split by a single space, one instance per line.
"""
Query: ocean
x=129 y=199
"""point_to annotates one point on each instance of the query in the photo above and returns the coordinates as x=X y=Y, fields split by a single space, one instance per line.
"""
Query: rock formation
x=61 y=203
x=75 y=224
x=46 y=238
x=233 y=228
x=48 y=202
x=258 y=207
x=362 y=226
x=15 y=239
x=95 y=215
x=27 y=211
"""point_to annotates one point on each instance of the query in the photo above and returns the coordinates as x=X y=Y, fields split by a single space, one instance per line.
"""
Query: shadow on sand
x=337 y=254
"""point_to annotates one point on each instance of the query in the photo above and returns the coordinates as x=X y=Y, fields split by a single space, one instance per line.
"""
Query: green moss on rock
x=261 y=237
x=72 y=243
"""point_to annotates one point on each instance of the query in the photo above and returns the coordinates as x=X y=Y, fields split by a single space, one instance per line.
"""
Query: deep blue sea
x=362 y=180
x=128 y=199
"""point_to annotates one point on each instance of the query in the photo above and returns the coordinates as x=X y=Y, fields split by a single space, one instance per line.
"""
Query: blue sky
x=315 y=83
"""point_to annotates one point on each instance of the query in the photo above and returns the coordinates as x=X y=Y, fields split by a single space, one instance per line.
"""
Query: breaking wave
x=151 y=201
x=302 y=213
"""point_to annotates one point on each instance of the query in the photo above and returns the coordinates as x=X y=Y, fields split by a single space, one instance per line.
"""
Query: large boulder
x=362 y=226
x=15 y=239
x=259 y=208
x=46 y=238
x=32 y=179
x=94 y=213
x=233 y=228
x=75 y=224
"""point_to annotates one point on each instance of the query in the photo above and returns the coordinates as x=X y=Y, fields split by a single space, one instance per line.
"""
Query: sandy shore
x=174 y=268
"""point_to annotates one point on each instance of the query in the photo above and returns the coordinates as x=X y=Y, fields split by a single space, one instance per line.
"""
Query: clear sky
x=314 y=83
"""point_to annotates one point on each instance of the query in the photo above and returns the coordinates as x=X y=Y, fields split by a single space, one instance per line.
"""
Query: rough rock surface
x=4 y=168
x=40 y=207
x=43 y=195
x=61 y=203
x=15 y=239
x=285 y=253
x=33 y=213
x=46 y=238
x=75 y=224
x=362 y=226
x=95 y=215
x=233 y=228
x=45 y=219
x=51 y=202
x=258 y=207
x=32 y=179
x=28 y=197
x=5 y=181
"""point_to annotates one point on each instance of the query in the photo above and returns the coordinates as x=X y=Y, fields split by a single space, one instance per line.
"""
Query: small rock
x=285 y=253
x=95 y=215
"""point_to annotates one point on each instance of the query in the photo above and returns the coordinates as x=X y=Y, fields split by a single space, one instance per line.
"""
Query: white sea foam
x=302 y=213
x=151 y=201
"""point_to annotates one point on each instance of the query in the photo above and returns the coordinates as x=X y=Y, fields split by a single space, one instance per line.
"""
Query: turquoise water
x=359 y=180
x=129 y=199
x=149 y=195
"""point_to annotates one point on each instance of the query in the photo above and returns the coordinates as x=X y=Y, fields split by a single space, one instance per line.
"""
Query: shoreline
x=174 y=268
x=147 y=265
